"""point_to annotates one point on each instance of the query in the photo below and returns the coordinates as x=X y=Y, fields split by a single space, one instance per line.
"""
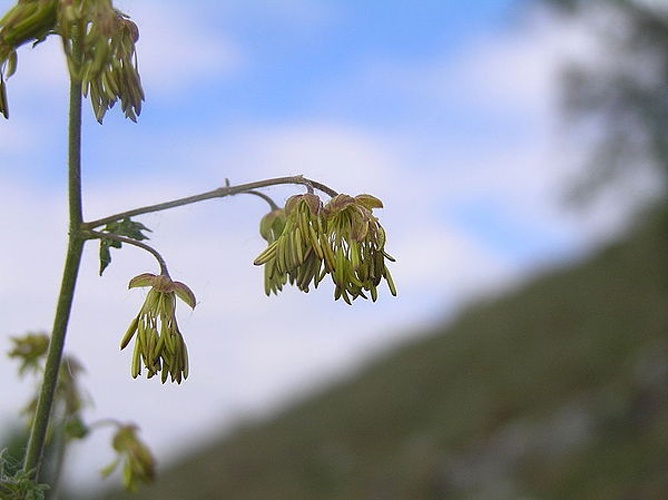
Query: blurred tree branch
x=623 y=101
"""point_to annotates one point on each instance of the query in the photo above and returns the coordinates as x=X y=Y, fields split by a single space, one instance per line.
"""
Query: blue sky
x=446 y=110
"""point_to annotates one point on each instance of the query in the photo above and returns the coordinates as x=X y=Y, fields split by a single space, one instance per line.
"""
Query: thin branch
x=123 y=239
x=321 y=187
x=266 y=198
x=221 y=192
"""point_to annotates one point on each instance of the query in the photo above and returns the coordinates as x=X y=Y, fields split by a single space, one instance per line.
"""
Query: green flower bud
x=272 y=225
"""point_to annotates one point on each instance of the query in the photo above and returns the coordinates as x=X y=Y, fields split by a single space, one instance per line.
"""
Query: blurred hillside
x=559 y=390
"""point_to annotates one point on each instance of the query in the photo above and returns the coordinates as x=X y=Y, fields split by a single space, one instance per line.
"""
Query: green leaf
x=125 y=227
x=129 y=228
x=105 y=254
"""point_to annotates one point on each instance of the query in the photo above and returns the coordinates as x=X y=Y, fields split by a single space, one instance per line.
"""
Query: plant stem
x=216 y=193
x=44 y=409
x=130 y=241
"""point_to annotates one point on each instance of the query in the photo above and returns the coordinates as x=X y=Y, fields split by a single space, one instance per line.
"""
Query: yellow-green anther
x=4 y=105
x=12 y=63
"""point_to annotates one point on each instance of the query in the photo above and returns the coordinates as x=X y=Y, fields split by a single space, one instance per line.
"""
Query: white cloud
x=347 y=156
x=494 y=74
x=509 y=73
x=180 y=48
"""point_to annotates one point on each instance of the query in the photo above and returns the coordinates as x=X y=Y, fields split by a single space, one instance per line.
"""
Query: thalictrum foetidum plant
x=308 y=239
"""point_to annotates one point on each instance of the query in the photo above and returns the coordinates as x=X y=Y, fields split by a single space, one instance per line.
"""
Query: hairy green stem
x=43 y=412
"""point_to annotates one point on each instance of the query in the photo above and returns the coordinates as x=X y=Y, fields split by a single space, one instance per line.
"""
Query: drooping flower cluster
x=137 y=459
x=294 y=253
x=30 y=350
x=342 y=239
x=355 y=247
x=108 y=64
x=159 y=345
x=99 y=42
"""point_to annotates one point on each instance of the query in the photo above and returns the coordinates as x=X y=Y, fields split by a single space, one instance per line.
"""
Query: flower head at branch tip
x=137 y=459
x=293 y=253
x=308 y=241
x=108 y=65
x=98 y=40
x=159 y=345
x=354 y=247
x=30 y=350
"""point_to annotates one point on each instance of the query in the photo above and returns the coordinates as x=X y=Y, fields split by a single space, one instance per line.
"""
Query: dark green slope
x=558 y=391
